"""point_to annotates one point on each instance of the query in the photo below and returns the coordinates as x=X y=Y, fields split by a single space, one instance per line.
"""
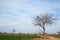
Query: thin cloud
x=19 y=13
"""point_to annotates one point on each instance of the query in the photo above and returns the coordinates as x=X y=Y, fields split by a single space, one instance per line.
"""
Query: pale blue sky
x=19 y=14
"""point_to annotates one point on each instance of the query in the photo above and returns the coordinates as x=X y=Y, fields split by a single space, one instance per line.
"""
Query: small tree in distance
x=13 y=30
x=58 y=32
x=44 y=19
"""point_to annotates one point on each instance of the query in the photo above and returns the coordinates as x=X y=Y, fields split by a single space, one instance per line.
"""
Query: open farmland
x=17 y=36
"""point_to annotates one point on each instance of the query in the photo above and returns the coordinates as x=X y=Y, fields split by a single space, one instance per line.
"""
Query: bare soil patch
x=47 y=38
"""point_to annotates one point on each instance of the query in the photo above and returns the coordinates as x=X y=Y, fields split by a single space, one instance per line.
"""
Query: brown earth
x=47 y=38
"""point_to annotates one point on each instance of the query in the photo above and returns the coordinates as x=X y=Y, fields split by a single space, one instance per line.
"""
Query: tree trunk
x=43 y=32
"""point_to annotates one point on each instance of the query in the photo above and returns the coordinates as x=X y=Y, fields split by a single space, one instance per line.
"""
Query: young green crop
x=17 y=36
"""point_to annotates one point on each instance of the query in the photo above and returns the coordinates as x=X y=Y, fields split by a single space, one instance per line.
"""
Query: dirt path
x=53 y=38
x=47 y=38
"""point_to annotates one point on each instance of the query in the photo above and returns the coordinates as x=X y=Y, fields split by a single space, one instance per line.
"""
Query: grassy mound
x=57 y=36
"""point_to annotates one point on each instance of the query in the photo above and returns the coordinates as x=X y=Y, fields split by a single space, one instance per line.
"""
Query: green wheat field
x=18 y=36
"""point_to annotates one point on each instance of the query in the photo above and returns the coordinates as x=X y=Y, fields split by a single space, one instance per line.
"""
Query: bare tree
x=44 y=19
x=58 y=32
x=13 y=30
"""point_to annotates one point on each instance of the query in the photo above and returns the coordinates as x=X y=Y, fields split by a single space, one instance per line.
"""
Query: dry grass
x=48 y=37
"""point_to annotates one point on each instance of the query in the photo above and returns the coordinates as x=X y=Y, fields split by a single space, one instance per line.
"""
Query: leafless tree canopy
x=44 y=19
x=58 y=32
